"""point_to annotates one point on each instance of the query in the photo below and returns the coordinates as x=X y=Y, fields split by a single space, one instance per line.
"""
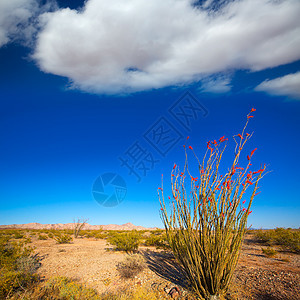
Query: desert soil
x=93 y=263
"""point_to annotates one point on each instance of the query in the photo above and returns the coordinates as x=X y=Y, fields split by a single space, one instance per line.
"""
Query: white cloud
x=216 y=84
x=14 y=16
x=17 y=19
x=126 y=46
x=288 y=85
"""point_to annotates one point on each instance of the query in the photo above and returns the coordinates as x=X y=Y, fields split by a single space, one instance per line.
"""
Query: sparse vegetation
x=158 y=240
x=17 y=267
x=63 y=238
x=269 y=252
x=287 y=239
x=43 y=237
x=132 y=266
x=125 y=241
x=78 y=226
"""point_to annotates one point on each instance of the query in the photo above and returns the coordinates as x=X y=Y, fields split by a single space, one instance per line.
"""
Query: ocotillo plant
x=207 y=221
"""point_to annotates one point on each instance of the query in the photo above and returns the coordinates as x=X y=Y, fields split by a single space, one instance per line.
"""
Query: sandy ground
x=94 y=263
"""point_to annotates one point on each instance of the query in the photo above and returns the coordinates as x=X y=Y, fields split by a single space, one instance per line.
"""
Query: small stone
x=174 y=292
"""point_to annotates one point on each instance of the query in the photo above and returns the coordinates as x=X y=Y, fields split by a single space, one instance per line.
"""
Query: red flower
x=239 y=168
x=202 y=171
x=249 y=182
x=230 y=204
x=250 y=117
x=240 y=136
x=194 y=178
x=252 y=152
x=253 y=109
x=244 y=201
x=249 y=212
x=187 y=137
x=244 y=209
x=162 y=209
x=160 y=188
x=209 y=199
x=256 y=194
x=191 y=147
x=169 y=197
x=222 y=139
x=247 y=134
x=222 y=215
x=248 y=157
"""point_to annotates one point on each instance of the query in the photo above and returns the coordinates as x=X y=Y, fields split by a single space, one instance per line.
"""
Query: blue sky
x=83 y=86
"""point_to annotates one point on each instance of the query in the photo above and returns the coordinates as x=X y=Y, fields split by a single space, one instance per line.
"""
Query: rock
x=174 y=292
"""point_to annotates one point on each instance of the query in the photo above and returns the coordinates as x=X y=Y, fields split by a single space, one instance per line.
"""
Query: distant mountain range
x=127 y=226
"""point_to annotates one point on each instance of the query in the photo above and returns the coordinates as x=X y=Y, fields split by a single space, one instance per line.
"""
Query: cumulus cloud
x=288 y=85
x=127 y=46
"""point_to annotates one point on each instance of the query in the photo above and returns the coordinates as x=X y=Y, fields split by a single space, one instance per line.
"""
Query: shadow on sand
x=164 y=265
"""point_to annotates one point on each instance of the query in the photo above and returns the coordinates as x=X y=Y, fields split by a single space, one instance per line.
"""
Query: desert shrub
x=125 y=241
x=17 y=267
x=139 y=293
x=131 y=266
x=63 y=239
x=66 y=288
x=160 y=241
x=287 y=239
x=27 y=264
x=97 y=234
x=207 y=217
x=42 y=237
x=19 y=235
x=28 y=240
x=269 y=252
x=50 y=235
x=61 y=288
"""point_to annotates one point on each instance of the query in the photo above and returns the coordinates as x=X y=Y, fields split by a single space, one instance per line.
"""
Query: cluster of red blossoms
x=227 y=183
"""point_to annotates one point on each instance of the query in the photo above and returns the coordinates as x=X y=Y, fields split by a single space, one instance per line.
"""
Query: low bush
x=63 y=239
x=269 y=252
x=63 y=288
x=287 y=239
x=159 y=241
x=125 y=241
x=140 y=293
x=19 y=235
x=131 y=266
x=50 y=235
x=42 y=237
x=17 y=267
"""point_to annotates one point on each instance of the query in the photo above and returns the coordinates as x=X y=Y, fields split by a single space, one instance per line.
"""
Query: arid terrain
x=93 y=262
